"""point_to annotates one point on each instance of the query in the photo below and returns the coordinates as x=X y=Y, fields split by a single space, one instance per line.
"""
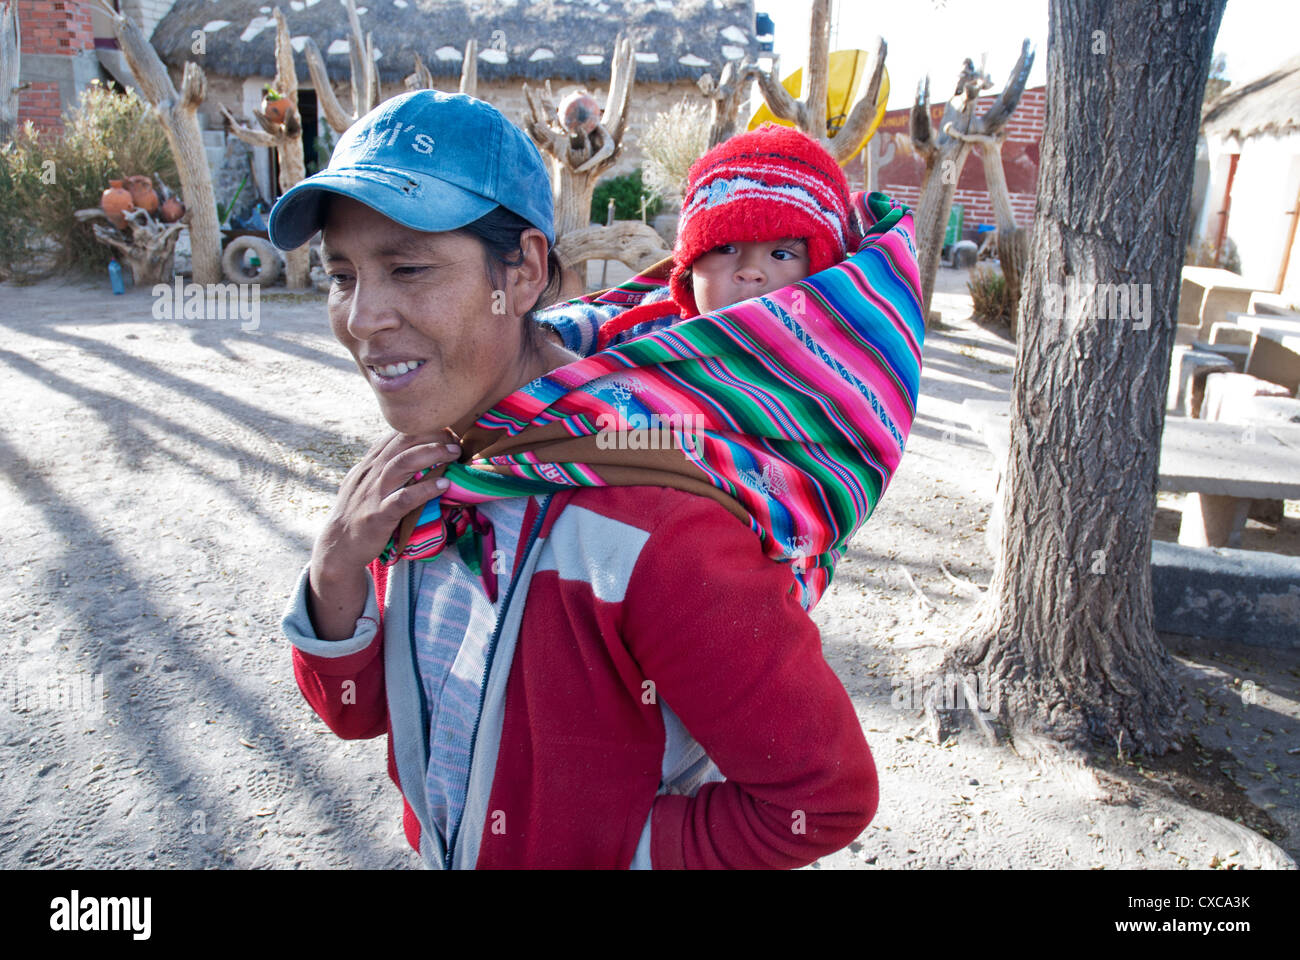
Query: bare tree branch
x=338 y=118
x=469 y=69
x=922 y=130
x=817 y=78
x=420 y=78
x=779 y=101
x=256 y=138
x=850 y=136
x=1007 y=101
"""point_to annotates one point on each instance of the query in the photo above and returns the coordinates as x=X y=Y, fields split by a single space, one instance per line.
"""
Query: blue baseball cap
x=431 y=161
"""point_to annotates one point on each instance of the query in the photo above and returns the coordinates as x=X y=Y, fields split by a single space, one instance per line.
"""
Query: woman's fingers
x=401 y=502
x=406 y=467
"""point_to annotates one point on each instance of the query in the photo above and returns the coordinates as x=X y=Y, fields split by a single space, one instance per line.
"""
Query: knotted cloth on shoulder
x=790 y=409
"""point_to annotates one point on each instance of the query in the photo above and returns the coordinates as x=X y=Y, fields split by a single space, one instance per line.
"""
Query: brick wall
x=41 y=104
x=51 y=28
x=55 y=26
x=902 y=177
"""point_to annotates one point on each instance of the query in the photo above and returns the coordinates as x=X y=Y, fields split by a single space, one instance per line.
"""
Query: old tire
x=232 y=261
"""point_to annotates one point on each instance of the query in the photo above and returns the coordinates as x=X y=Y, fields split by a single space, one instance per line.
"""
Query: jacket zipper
x=487 y=669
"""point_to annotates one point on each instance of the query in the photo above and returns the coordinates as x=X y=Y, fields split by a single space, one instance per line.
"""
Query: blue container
x=115 y=277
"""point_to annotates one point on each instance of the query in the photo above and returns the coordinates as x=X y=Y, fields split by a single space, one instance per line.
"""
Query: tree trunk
x=10 y=70
x=874 y=159
x=578 y=159
x=1066 y=640
x=933 y=211
x=178 y=111
x=286 y=139
x=725 y=97
x=945 y=153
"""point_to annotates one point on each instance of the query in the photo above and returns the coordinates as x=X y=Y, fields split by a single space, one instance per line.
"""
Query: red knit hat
x=770 y=183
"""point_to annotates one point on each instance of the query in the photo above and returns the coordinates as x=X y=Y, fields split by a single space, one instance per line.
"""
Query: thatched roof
x=1268 y=104
x=518 y=39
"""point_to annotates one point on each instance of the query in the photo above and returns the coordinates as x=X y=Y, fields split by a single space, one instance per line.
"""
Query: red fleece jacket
x=713 y=624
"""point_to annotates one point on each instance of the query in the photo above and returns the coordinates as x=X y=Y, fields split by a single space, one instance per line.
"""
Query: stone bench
x=1226 y=396
x=1227 y=332
x=1220 y=466
x=1235 y=353
x=1232 y=398
x=1244 y=595
x=1187 y=376
x=1207 y=294
x=1276 y=357
x=1273 y=304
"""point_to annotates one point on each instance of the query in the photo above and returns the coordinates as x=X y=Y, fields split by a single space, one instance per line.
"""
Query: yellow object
x=848 y=71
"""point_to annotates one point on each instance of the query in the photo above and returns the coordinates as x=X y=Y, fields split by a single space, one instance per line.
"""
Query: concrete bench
x=1226 y=395
x=1235 y=353
x=1207 y=294
x=1243 y=595
x=1232 y=398
x=1276 y=357
x=1187 y=376
x=1274 y=326
x=1222 y=467
x=1273 y=304
x=1227 y=332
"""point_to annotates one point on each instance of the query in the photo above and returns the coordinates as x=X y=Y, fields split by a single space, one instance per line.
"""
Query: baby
x=760 y=211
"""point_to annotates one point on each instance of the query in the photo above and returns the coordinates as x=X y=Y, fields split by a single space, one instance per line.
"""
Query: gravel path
x=162 y=482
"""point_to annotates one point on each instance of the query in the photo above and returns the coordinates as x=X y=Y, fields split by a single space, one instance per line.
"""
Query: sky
x=936 y=35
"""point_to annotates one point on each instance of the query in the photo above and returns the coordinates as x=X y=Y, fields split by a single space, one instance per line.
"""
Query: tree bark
x=1066 y=640
x=178 y=111
x=10 y=70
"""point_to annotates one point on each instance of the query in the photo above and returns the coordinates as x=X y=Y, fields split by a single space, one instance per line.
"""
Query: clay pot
x=142 y=193
x=171 y=210
x=116 y=201
x=579 y=111
x=275 y=110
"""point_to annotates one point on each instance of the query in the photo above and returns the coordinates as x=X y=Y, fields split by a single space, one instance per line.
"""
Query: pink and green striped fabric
x=801 y=400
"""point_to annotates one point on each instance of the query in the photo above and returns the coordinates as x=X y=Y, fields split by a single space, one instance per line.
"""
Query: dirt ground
x=162 y=482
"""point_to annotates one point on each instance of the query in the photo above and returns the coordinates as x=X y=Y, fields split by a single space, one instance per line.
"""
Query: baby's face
x=737 y=271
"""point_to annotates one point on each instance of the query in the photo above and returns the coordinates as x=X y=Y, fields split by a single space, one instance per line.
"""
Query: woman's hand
x=374 y=496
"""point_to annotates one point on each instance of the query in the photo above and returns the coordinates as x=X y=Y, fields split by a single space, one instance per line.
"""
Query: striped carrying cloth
x=790 y=409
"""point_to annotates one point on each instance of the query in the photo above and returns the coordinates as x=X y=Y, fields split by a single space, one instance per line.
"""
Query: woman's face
x=418 y=312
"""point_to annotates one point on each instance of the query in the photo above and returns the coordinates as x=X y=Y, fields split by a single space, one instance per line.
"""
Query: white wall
x=1264 y=190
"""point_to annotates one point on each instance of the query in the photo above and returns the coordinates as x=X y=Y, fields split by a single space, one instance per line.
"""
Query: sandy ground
x=162 y=482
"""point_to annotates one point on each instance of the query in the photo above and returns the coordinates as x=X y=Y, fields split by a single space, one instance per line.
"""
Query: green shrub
x=990 y=296
x=627 y=192
x=45 y=178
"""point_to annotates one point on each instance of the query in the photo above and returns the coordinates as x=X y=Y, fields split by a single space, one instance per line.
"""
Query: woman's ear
x=526 y=282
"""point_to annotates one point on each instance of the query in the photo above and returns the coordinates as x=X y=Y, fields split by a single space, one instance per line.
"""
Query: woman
x=600 y=677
